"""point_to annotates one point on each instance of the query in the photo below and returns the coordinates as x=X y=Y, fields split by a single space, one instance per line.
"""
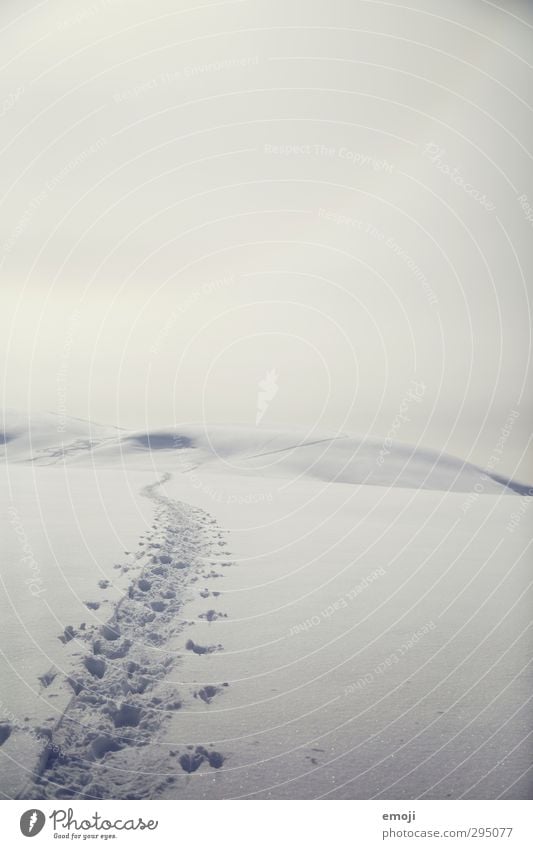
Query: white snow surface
x=47 y=437
x=225 y=612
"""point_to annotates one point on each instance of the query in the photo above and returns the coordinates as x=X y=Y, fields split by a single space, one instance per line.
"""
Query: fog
x=333 y=194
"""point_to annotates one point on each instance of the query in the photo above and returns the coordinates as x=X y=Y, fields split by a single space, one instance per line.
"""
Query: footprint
x=190 y=763
x=96 y=666
x=130 y=669
x=127 y=716
x=47 y=678
x=215 y=759
x=211 y=615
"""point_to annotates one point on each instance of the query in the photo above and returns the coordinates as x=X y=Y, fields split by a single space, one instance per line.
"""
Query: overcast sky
x=193 y=196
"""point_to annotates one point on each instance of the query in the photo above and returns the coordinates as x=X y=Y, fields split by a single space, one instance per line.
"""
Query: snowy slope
x=376 y=644
x=325 y=457
x=63 y=544
x=231 y=613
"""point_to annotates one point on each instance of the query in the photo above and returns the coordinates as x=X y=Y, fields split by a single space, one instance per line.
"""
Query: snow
x=329 y=458
x=62 y=537
x=225 y=613
x=46 y=437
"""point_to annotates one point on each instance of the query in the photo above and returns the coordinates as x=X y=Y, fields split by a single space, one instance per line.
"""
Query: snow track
x=108 y=742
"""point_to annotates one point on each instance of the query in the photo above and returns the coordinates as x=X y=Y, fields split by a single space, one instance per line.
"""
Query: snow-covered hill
x=331 y=458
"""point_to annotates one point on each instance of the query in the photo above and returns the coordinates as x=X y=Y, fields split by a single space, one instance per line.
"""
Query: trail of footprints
x=108 y=742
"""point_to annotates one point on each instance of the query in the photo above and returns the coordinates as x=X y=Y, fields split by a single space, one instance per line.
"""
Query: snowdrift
x=331 y=458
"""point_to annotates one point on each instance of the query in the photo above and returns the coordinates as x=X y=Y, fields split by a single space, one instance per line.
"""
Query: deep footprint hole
x=5 y=733
x=110 y=632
